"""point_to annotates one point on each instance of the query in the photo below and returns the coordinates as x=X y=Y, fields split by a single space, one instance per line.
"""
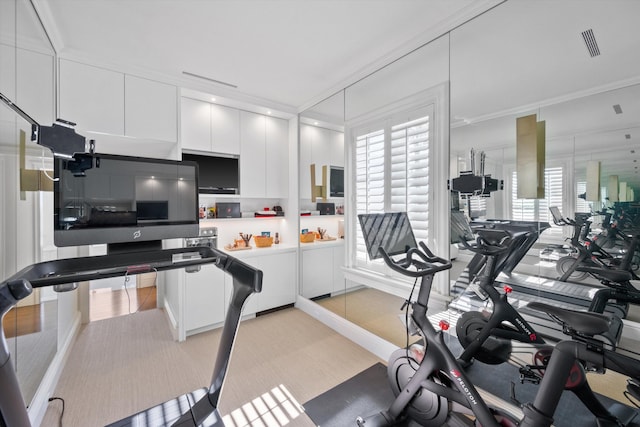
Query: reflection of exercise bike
x=588 y=252
x=429 y=385
x=488 y=336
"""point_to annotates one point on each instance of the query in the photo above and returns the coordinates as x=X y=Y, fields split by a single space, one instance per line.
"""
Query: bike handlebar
x=486 y=246
x=428 y=263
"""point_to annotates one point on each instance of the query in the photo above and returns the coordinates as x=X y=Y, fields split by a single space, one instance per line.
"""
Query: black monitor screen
x=389 y=231
x=336 y=182
x=103 y=198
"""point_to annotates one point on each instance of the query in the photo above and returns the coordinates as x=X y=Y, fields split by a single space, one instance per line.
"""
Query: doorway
x=119 y=296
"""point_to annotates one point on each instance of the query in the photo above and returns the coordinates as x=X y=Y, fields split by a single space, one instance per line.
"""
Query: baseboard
x=40 y=401
x=173 y=323
x=371 y=342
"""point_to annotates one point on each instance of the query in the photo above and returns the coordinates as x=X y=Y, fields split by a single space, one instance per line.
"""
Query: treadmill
x=198 y=408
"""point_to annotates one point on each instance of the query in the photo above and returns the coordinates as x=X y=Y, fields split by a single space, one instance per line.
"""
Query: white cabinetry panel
x=92 y=97
x=150 y=109
x=278 y=282
x=277 y=157
x=196 y=124
x=252 y=155
x=317 y=272
x=225 y=129
x=204 y=297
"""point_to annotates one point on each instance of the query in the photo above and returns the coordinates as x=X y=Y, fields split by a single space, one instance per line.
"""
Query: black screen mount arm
x=60 y=137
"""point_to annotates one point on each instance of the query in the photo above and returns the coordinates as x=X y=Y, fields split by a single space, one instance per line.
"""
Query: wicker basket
x=263 y=241
x=307 y=238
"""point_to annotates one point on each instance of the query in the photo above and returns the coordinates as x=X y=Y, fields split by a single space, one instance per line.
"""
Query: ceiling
x=517 y=57
x=284 y=51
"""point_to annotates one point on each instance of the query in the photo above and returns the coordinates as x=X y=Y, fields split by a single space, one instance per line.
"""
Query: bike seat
x=582 y=322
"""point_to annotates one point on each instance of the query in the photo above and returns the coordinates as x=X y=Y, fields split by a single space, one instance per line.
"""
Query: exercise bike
x=583 y=327
x=430 y=386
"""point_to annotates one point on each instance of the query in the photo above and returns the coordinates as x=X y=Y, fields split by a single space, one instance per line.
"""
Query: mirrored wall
x=488 y=73
x=27 y=79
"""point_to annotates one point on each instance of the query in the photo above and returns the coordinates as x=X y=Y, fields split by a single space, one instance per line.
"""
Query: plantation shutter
x=392 y=173
x=538 y=209
x=409 y=165
x=369 y=180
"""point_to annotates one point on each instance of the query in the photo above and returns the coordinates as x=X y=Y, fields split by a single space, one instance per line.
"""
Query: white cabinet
x=195 y=124
x=204 y=297
x=252 y=155
x=151 y=109
x=209 y=127
x=317 y=272
x=110 y=102
x=91 y=97
x=277 y=157
x=278 y=282
x=225 y=129
x=264 y=156
x=322 y=147
x=321 y=269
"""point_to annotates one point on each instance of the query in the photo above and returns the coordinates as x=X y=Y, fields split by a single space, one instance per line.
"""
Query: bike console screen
x=389 y=231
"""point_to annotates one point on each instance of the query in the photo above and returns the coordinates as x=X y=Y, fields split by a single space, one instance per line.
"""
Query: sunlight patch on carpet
x=275 y=408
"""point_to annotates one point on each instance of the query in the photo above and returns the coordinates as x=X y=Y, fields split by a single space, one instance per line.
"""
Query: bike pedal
x=527 y=376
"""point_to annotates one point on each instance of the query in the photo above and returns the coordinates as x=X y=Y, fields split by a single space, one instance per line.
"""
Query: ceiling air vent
x=628 y=136
x=617 y=108
x=198 y=76
x=590 y=41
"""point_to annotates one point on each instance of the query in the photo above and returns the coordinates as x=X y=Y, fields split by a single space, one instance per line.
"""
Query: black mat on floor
x=368 y=393
x=364 y=394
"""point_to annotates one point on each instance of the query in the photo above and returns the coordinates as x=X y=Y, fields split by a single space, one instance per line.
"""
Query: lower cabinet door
x=204 y=297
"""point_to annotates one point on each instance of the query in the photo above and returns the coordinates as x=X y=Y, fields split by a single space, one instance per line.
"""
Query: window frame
x=438 y=228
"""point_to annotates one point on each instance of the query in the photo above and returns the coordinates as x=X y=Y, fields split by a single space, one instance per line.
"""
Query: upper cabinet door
x=150 y=109
x=196 y=125
x=277 y=157
x=225 y=129
x=252 y=155
x=91 y=97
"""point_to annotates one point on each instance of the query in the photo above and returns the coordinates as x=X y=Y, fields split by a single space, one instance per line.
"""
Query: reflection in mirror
x=322 y=201
x=394 y=126
x=503 y=68
x=26 y=78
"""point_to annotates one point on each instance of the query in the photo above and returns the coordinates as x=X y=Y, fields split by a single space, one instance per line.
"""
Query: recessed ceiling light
x=269 y=112
x=315 y=123
x=213 y=100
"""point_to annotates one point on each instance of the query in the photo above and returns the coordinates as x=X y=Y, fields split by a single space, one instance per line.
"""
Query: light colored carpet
x=123 y=365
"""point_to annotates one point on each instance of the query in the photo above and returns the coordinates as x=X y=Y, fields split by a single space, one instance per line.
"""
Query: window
x=392 y=172
x=538 y=209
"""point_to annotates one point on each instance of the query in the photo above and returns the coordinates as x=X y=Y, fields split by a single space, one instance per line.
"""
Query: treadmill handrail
x=246 y=281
